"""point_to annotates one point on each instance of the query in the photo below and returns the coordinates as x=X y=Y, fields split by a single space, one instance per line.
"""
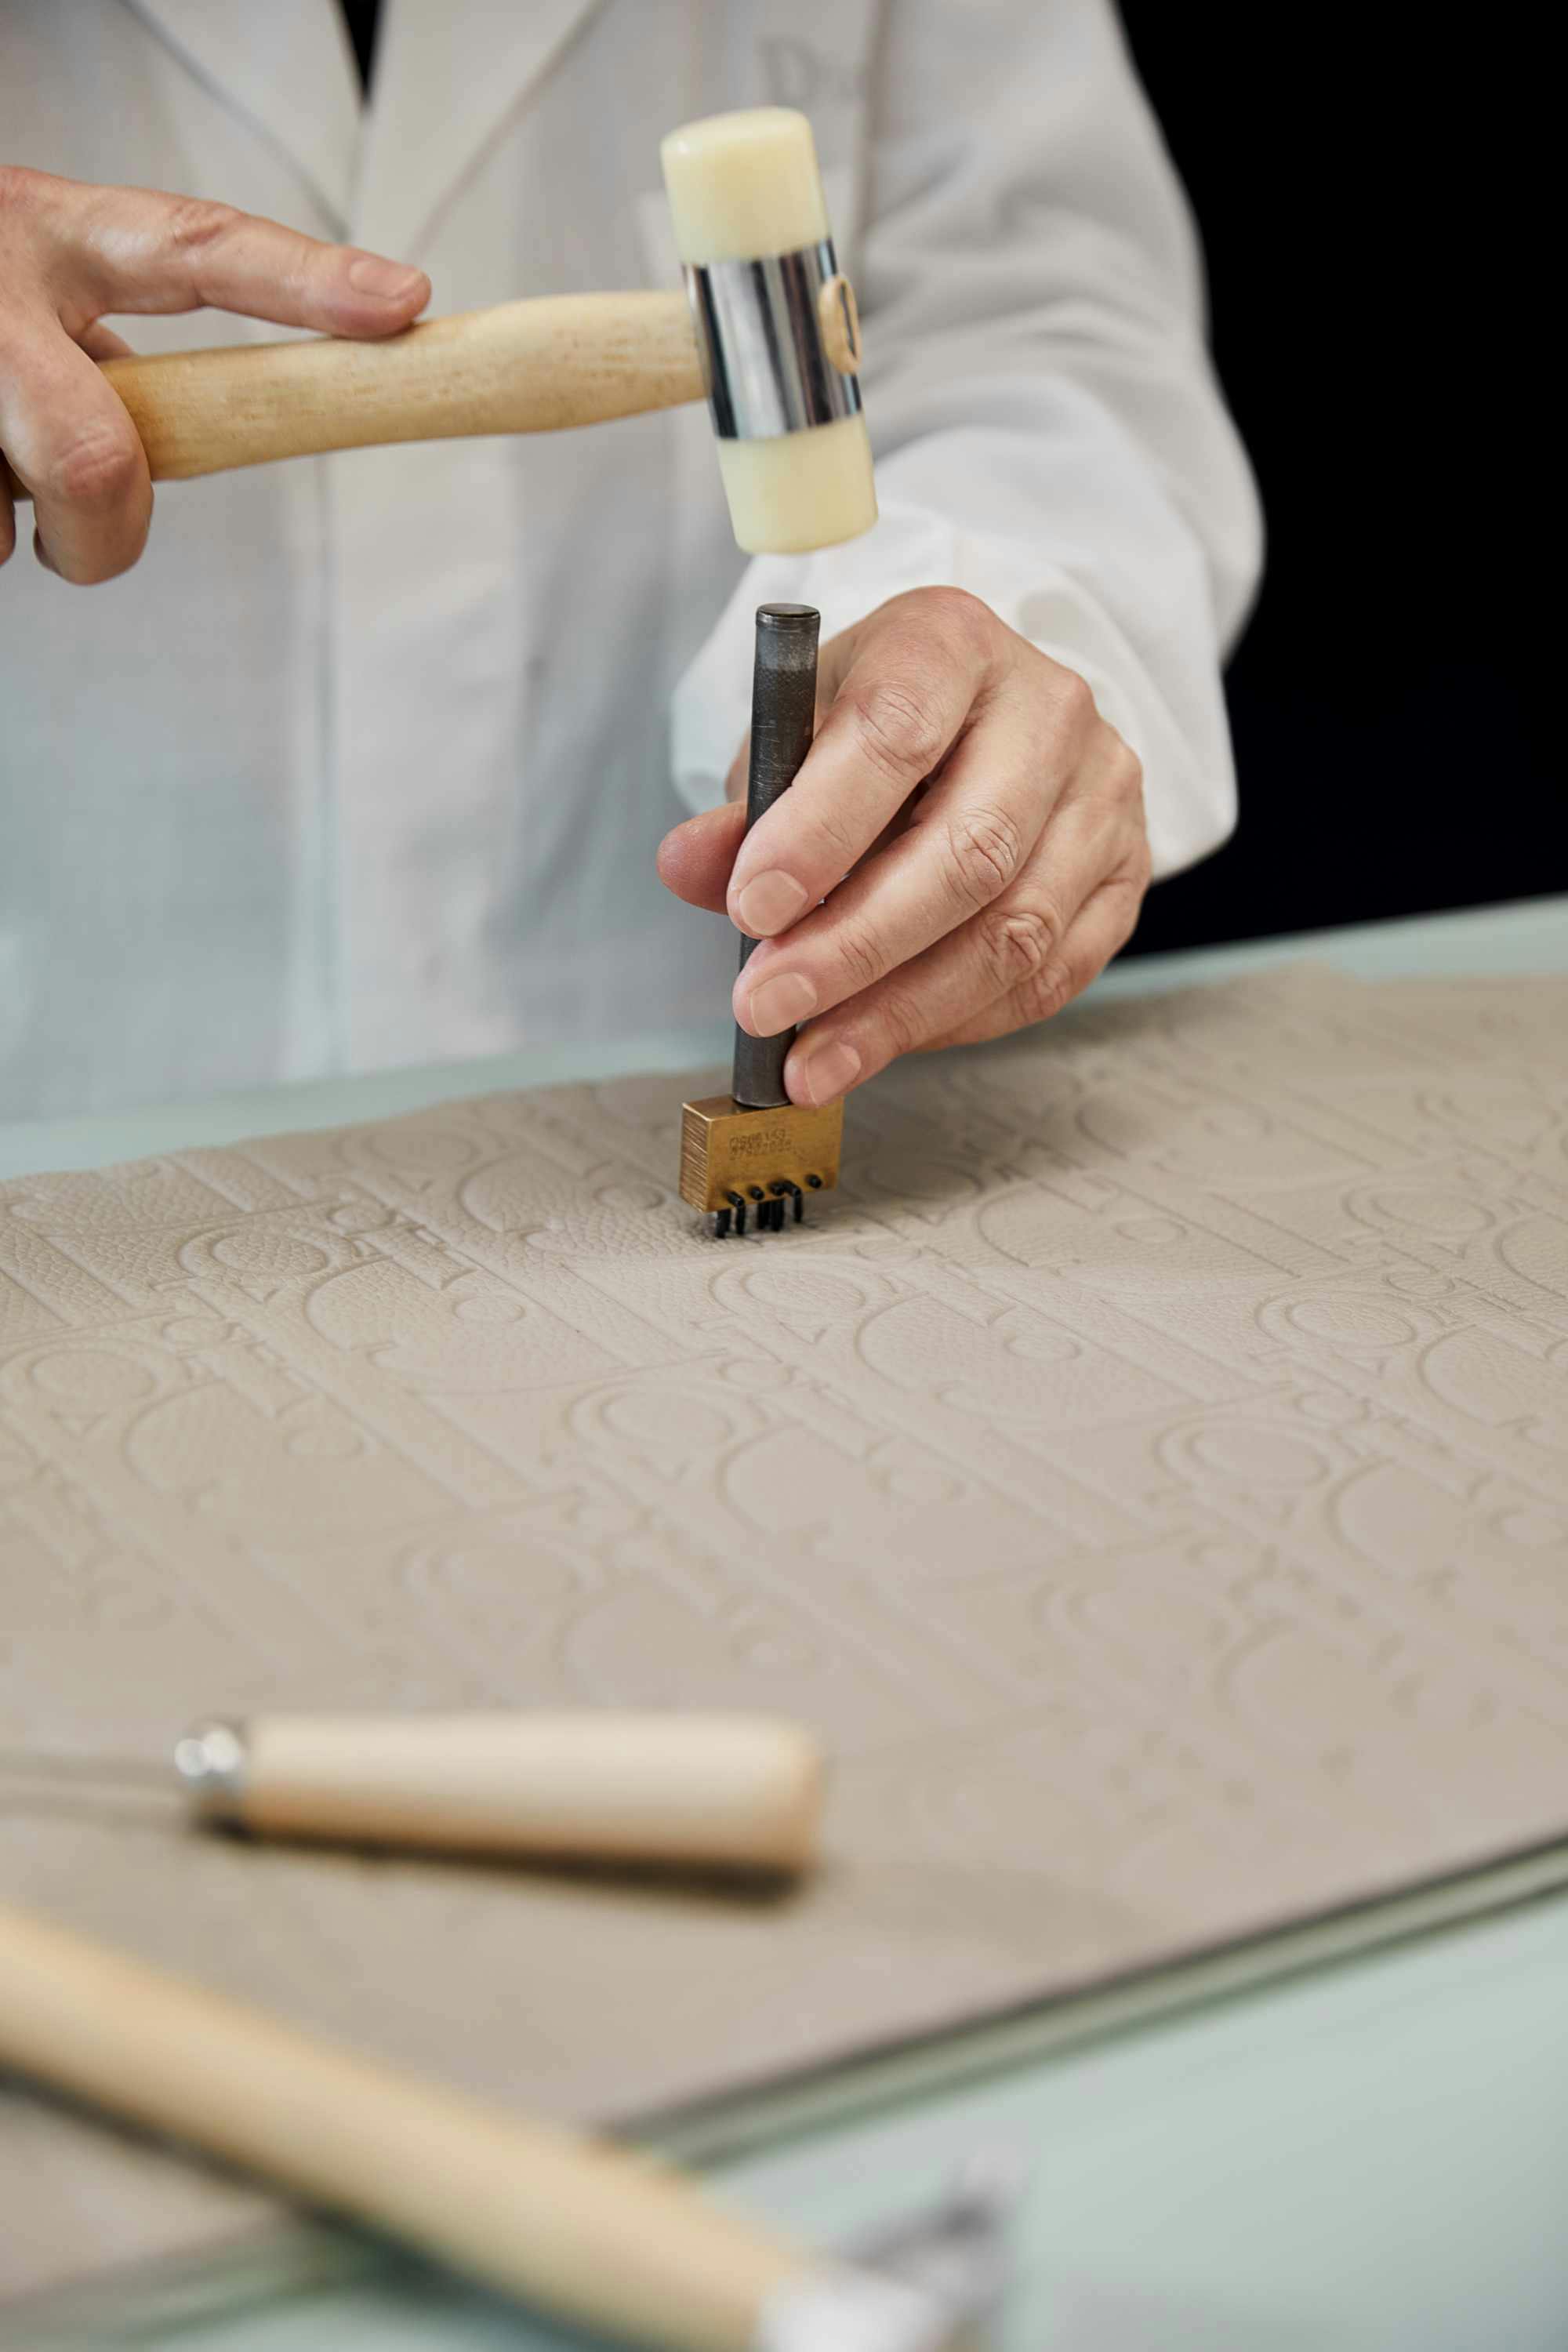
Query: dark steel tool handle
x=783 y=712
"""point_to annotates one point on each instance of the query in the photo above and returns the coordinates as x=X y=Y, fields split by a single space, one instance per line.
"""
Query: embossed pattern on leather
x=1151 y=1473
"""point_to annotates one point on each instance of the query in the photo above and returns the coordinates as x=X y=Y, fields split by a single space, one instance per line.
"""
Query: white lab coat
x=366 y=763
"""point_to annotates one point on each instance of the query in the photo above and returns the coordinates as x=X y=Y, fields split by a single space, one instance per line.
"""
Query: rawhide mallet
x=766 y=328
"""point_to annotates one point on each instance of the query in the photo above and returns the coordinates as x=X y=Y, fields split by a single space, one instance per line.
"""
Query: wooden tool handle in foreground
x=743 y=1791
x=523 y=367
x=599 y=2237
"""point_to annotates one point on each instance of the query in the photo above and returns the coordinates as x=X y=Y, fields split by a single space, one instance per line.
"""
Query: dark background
x=1382 y=304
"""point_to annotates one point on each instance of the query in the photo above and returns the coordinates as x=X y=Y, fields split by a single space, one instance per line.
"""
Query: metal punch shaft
x=749 y=1158
x=783 y=717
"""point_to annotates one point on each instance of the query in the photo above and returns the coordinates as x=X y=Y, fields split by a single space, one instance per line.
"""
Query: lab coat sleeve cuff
x=1188 y=777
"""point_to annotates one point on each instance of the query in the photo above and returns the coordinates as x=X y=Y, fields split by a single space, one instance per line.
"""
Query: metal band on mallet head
x=776 y=329
x=761 y=332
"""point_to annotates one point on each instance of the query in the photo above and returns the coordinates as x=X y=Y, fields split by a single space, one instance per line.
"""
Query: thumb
x=695 y=860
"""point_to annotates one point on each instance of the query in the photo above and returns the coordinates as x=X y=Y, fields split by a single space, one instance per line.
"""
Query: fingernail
x=828 y=1073
x=780 y=1002
x=394 y=281
x=766 y=905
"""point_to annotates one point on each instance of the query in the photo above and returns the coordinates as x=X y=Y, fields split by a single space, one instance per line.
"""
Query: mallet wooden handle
x=737 y=1790
x=523 y=367
x=599 y=2237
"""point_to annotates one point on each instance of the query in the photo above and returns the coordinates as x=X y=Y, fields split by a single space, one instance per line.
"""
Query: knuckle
x=899 y=729
x=1077 y=700
x=983 y=850
x=91 y=568
x=1017 y=946
x=900 y=1021
x=193 y=223
x=1126 y=772
x=100 y=468
x=94 y=574
x=1128 y=896
x=1127 y=923
x=832 y=844
x=1052 y=987
x=958 y=613
x=860 y=959
x=19 y=188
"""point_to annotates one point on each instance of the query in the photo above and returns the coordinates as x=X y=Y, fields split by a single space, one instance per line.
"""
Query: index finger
x=140 y=250
x=903 y=703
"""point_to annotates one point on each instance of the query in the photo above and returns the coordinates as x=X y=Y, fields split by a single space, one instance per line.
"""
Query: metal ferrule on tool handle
x=761 y=332
x=210 y=1762
x=842 y=2310
x=931 y=2280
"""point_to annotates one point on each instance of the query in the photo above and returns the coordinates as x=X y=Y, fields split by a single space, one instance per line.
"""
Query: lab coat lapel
x=286 y=68
x=445 y=81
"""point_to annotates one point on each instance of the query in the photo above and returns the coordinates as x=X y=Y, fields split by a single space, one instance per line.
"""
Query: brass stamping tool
x=752 y=1152
x=735 y=1162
